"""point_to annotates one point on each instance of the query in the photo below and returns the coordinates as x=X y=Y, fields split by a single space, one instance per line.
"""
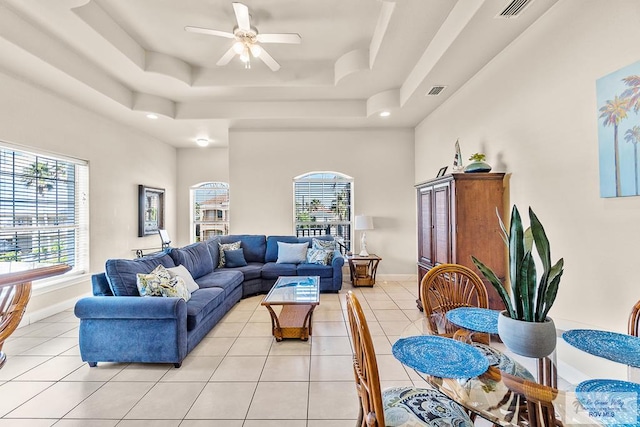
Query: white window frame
x=221 y=225
x=325 y=207
x=80 y=226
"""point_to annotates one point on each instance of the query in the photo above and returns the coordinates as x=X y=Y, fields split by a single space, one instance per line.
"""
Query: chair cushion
x=413 y=407
x=226 y=279
x=250 y=271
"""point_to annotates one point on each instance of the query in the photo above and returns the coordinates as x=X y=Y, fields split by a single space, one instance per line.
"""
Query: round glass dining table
x=565 y=369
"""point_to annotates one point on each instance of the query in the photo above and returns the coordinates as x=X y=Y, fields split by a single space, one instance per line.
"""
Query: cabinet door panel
x=442 y=225
x=425 y=254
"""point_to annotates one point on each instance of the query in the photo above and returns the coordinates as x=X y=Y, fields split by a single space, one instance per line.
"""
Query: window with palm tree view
x=43 y=209
x=323 y=202
x=210 y=210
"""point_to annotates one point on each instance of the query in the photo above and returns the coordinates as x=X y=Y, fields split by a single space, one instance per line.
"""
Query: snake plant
x=530 y=299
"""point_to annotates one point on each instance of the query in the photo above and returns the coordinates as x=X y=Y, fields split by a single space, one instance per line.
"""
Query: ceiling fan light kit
x=247 y=40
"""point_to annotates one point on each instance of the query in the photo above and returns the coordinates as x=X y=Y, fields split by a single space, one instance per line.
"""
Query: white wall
x=533 y=111
x=195 y=166
x=262 y=166
x=119 y=160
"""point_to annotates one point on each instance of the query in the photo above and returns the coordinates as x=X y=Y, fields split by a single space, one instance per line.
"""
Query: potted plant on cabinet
x=524 y=326
x=477 y=164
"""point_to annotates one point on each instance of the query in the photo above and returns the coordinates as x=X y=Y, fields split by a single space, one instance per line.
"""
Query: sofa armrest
x=132 y=329
x=131 y=308
x=338 y=260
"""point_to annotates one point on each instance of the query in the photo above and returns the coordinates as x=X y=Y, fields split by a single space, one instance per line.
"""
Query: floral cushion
x=329 y=245
x=319 y=256
x=413 y=407
x=160 y=283
x=227 y=247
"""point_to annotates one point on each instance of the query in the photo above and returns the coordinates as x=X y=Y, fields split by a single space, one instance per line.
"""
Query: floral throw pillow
x=160 y=283
x=319 y=256
x=328 y=245
x=227 y=247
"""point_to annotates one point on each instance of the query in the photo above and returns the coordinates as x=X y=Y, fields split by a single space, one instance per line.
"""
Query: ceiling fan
x=247 y=44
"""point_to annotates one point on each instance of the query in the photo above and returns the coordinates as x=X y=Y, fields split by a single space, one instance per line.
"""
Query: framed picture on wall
x=150 y=210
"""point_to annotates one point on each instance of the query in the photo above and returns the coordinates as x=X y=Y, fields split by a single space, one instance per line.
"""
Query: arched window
x=323 y=205
x=209 y=210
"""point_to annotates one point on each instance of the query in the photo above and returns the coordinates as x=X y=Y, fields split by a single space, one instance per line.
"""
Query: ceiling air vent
x=514 y=8
x=435 y=90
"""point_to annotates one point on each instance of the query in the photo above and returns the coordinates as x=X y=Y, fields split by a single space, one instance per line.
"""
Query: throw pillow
x=234 y=258
x=323 y=244
x=319 y=256
x=159 y=283
x=227 y=247
x=182 y=272
x=292 y=253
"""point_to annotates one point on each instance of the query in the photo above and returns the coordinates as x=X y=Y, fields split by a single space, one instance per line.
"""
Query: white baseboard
x=397 y=277
x=32 y=317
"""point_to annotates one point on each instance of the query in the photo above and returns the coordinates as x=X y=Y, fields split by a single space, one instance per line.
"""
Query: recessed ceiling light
x=385 y=113
x=202 y=142
x=152 y=116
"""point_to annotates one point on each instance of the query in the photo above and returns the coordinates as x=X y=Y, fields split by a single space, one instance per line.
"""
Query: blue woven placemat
x=620 y=348
x=440 y=356
x=611 y=402
x=475 y=319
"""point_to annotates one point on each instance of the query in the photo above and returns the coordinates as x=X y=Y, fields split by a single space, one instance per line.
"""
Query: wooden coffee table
x=298 y=296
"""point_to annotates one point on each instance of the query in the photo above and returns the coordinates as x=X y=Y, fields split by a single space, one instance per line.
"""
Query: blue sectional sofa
x=118 y=325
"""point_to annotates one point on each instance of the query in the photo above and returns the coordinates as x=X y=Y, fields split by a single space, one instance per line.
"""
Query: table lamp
x=363 y=222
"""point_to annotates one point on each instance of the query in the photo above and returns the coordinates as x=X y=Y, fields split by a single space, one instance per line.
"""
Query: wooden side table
x=363 y=269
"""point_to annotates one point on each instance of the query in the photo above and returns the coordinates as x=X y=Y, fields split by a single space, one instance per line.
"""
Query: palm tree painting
x=618 y=98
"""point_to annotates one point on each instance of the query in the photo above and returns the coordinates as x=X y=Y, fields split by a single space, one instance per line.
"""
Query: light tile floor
x=238 y=376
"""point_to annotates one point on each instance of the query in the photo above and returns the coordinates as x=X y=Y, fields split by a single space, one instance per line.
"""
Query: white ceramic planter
x=529 y=339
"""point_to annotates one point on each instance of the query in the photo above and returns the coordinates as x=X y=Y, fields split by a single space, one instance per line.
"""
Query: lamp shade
x=364 y=222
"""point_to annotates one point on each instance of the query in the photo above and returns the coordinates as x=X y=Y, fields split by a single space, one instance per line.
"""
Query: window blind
x=43 y=209
x=323 y=205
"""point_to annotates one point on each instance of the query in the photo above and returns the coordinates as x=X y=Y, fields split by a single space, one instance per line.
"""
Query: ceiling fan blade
x=268 y=59
x=227 y=57
x=242 y=16
x=291 y=38
x=209 y=32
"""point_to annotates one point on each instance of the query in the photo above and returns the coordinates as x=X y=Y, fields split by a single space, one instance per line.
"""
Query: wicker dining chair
x=403 y=406
x=634 y=320
x=538 y=410
x=449 y=286
x=13 y=302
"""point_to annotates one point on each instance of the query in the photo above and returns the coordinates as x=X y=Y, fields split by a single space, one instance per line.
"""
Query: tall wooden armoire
x=456 y=219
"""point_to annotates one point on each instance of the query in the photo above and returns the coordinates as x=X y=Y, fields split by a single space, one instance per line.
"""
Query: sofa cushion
x=227 y=247
x=253 y=245
x=319 y=256
x=271 y=254
x=182 y=272
x=202 y=302
x=195 y=257
x=160 y=283
x=314 y=270
x=121 y=273
x=214 y=250
x=226 y=279
x=250 y=271
x=234 y=258
x=272 y=270
x=292 y=253
x=326 y=244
